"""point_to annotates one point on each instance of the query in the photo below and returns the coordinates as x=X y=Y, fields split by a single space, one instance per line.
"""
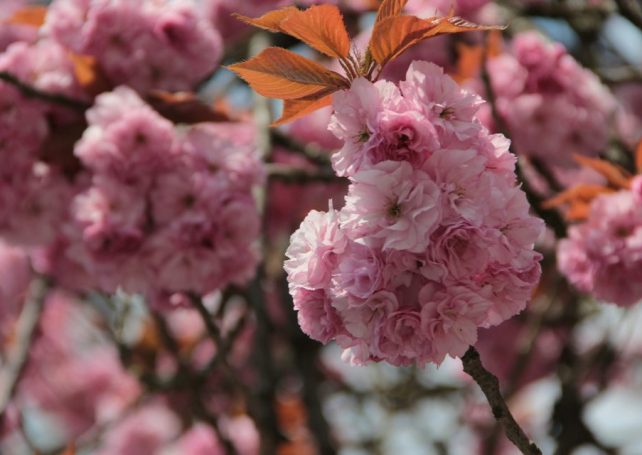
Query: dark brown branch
x=313 y=153
x=490 y=386
x=212 y=330
x=54 y=98
x=290 y=174
x=173 y=346
x=27 y=325
x=264 y=393
x=630 y=12
x=567 y=423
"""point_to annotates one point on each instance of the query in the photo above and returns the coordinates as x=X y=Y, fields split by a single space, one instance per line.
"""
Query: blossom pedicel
x=435 y=239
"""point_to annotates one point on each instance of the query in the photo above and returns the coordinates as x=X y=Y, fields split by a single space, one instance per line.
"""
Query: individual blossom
x=464 y=184
x=317 y=317
x=603 y=255
x=130 y=144
x=450 y=317
x=38 y=205
x=401 y=340
x=359 y=271
x=450 y=108
x=314 y=249
x=378 y=124
x=392 y=206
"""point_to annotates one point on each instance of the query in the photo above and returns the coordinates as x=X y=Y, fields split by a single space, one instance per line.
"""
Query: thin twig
x=567 y=424
x=27 y=325
x=290 y=174
x=173 y=346
x=264 y=392
x=313 y=153
x=490 y=386
x=630 y=12
x=32 y=92
x=211 y=328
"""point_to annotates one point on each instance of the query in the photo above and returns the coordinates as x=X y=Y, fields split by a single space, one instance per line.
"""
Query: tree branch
x=490 y=386
x=290 y=174
x=27 y=325
x=311 y=152
x=32 y=92
x=173 y=346
x=630 y=12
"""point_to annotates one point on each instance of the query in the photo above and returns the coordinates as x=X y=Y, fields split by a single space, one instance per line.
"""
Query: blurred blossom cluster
x=603 y=255
x=549 y=102
x=137 y=203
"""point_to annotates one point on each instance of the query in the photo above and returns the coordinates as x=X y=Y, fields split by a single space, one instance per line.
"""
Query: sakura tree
x=431 y=244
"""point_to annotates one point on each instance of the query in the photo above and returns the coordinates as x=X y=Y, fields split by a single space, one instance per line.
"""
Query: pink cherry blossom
x=603 y=255
x=392 y=206
x=434 y=241
x=163 y=210
x=142 y=44
x=450 y=317
x=552 y=106
x=450 y=108
x=313 y=250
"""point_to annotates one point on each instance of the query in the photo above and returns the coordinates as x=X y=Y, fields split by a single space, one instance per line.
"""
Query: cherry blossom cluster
x=165 y=208
x=34 y=194
x=146 y=44
x=435 y=238
x=603 y=255
x=552 y=106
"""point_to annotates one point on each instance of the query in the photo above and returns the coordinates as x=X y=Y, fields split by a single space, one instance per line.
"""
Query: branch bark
x=630 y=12
x=490 y=386
x=32 y=92
x=27 y=325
